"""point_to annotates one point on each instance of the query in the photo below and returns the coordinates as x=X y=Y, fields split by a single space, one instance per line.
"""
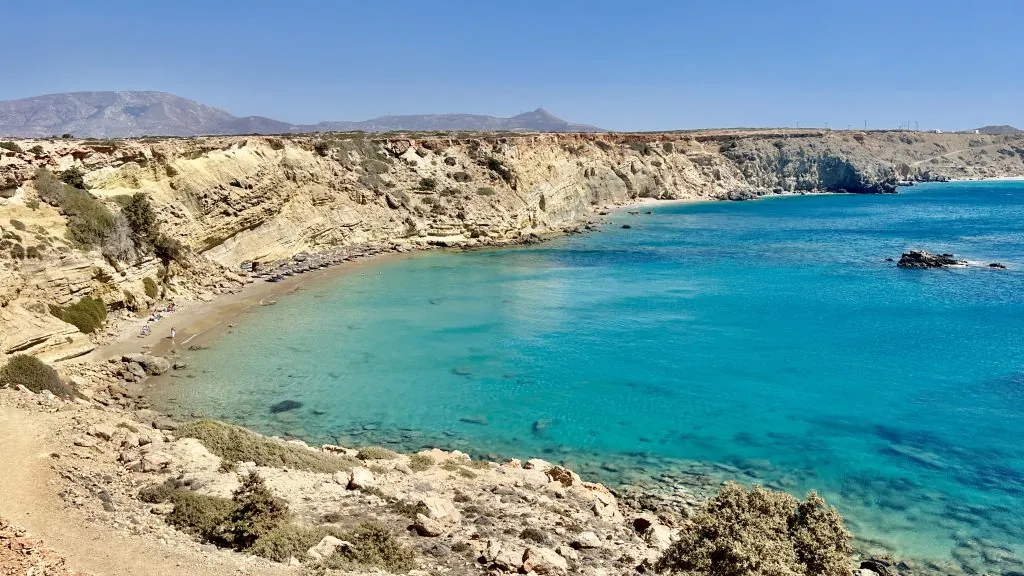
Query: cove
x=764 y=341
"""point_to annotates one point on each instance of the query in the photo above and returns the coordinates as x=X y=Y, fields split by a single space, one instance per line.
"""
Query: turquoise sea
x=764 y=341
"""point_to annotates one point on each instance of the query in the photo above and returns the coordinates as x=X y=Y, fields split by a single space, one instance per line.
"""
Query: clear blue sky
x=639 y=65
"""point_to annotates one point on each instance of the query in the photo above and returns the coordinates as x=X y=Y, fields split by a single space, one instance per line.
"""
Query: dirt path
x=28 y=497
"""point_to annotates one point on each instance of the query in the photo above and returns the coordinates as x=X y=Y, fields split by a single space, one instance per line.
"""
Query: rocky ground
x=459 y=516
x=22 y=554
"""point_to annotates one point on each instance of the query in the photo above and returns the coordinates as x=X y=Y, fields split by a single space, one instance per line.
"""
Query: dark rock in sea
x=626 y=226
x=462 y=371
x=648 y=212
x=922 y=259
x=889 y=260
x=997 y=265
x=880 y=567
x=541 y=426
x=481 y=420
x=285 y=406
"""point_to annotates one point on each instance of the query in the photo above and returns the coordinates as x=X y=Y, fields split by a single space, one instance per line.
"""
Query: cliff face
x=234 y=198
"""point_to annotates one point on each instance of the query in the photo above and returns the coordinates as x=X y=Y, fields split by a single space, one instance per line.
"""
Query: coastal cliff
x=235 y=199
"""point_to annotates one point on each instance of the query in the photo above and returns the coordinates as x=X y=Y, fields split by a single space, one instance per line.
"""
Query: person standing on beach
x=173 y=332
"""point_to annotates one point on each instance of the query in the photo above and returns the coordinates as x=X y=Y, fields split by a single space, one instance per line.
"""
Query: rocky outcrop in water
x=922 y=259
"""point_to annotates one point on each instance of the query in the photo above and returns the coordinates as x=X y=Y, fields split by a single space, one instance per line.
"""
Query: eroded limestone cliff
x=234 y=199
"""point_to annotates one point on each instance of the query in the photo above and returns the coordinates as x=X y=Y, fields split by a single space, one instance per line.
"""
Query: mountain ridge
x=118 y=114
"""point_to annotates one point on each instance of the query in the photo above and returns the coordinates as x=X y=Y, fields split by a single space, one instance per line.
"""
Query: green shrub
x=159 y=492
x=18 y=224
x=288 y=540
x=275 y=143
x=141 y=219
x=17 y=252
x=420 y=462
x=33 y=252
x=428 y=184
x=373 y=545
x=642 y=147
x=761 y=532
x=667 y=147
x=240 y=445
x=168 y=249
x=495 y=165
x=375 y=166
x=34 y=374
x=122 y=200
x=257 y=513
x=12 y=146
x=604 y=145
x=461 y=177
x=37 y=149
x=534 y=535
x=87 y=314
x=485 y=191
x=73 y=177
x=89 y=221
x=198 y=514
x=150 y=287
x=49 y=187
x=32 y=204
x=321 y=148
x=376 y=453
x=450 y=466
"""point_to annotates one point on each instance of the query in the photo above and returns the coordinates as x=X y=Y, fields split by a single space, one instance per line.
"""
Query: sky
x=637 y=65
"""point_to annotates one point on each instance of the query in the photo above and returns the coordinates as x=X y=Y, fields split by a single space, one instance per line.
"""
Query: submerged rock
x=997 y=265
x=285 y=406
x=922 y=259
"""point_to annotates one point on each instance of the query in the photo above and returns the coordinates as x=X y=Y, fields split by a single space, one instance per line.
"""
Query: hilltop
x=130 y=114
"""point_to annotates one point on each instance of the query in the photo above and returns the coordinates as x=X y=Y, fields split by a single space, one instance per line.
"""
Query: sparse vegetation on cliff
x=237 y=444
x=761 y=532
x=149 y=285
x=88 y=314
x=12 y=146
x=34 y=374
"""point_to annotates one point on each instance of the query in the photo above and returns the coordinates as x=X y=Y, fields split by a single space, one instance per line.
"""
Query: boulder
x=440 y=509
x=152 y=365
x=427 y=527
x=544 y=561
x=537 y=463
x=587 y=540
x=922 y=259
x=102 y=431
x=155 y=461
x=564 y=476
x=503 y=556
x=658 y=536
x=359 y=478
x=328 y=545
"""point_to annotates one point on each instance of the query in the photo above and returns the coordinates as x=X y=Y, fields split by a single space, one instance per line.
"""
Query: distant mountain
x=997 y=130
x=125 y=114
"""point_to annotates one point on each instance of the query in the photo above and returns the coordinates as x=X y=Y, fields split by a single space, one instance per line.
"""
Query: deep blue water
x=769 y=338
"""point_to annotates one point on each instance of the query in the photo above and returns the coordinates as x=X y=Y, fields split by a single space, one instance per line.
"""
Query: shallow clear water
x=769 y=338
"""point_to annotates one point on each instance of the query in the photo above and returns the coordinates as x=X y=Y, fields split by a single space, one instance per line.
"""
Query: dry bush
x=376 y=453
x=34 y=374
x=761 y=532
x=240 y=445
